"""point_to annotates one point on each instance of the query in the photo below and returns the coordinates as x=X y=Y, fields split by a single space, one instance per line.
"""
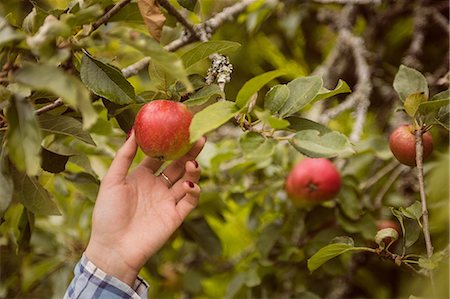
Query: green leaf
x=32 y=195
x=254 y=145
x=6 y=183
x=414 y=211
x=272 y=121
x=83 y=16
x=23 y=136
x=408 y=81
x=129 y=14
x=313 y=144
x=35 y=272
x=276 y=97
x=54 y=80
x=327 y=253
x=300 y=123
x=267 y=239
x=253 y=85
x=302 y=91
x=413 y=101
x=200 y=231
x=211 y=118
x=324 y=93
x=188 y=4
x=204 y=95
x=205 y=49
x=106 y=81
x=433 y=106
x=443 y=95
x=65 y=126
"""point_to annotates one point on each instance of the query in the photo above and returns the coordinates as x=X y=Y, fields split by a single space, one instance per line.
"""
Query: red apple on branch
x=403 y=145
x=162 y=129
x=313 y=180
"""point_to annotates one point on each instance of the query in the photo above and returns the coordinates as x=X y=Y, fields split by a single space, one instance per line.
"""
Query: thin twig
x=105 y=18
x=392 y=178
x=174 y=12
x=379 y=175
x=423 y=199
x=49 y=107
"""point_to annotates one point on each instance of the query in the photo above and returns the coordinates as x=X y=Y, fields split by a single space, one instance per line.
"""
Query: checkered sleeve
x=91 y=282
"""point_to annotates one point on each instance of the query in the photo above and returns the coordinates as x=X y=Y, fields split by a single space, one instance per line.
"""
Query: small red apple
x=162 y=129
x=387 y=223
x=403 y=145
x=313 y=180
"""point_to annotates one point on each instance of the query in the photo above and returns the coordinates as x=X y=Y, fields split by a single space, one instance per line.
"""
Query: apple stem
x=426 y=231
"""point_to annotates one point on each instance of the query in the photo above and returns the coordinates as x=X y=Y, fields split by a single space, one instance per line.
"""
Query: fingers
x=122 y=161
x=189 y=200
x=176 y=169
x=192 y=174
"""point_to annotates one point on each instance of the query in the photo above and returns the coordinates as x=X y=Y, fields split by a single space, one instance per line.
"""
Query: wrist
x=111 y=262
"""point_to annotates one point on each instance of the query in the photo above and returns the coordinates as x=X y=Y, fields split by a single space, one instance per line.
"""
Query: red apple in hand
x=403 y=145
x=313 y=180
x=162 y=129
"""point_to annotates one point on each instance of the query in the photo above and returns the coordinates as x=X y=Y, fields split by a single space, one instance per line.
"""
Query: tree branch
x=416 y=47
x=105 y=18
x=426 y=229
x=207 y=28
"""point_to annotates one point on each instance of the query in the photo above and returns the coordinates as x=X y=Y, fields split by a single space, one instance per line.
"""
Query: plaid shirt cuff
x=91 y=282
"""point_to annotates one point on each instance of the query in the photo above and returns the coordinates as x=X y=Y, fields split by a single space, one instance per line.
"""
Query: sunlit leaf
x=106 y=81
x=211 y=118
x=205 y=49
x=324 y=93
x=276 y=97
x=253 y=85
x=412 y=103
x=54 y=80
x=301 y=92
x=408 y=81
x=327 y=253
x=313 y=144
x=23 y=136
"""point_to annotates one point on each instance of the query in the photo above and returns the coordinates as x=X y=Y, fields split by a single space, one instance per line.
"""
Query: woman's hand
x=136 y=213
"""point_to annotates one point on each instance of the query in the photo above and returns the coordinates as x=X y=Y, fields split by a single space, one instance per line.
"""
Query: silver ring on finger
x=166 y=179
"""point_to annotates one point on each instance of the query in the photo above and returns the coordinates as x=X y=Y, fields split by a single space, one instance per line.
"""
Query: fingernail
x=130 y=132
x=195 y=163
x=191 y=184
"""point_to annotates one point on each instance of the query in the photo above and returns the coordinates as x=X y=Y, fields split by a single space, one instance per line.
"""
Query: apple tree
x=274 y=85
